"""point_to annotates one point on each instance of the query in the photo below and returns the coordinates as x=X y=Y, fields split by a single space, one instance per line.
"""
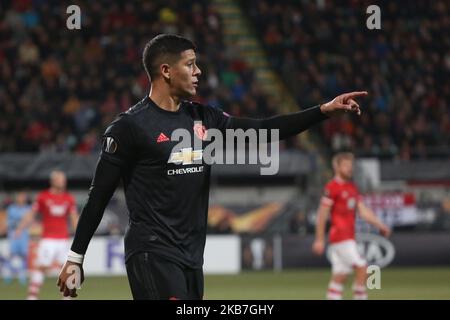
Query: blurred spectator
x=61 y=87
x=325 y=45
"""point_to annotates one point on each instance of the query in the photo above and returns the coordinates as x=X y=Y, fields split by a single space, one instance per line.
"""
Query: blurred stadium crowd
x=321 y=50
x=60 y=89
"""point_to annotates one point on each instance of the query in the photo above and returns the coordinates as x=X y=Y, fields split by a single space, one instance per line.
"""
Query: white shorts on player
x=344 y=257
x=51 y=250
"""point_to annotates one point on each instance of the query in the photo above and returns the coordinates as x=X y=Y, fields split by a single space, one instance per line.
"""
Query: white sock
x=359 y=292
x=335 y=291
x=36 y=281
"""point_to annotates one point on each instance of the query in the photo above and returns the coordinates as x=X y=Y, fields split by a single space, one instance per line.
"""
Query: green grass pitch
x=396 y=283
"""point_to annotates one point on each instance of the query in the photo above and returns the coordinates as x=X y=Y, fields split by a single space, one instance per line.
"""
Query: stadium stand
x=320 y=49
x=62 y=89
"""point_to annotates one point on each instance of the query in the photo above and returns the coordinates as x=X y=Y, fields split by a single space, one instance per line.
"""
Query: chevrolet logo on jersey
x=185 y=156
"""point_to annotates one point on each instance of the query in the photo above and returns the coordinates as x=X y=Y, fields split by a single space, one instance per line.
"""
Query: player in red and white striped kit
x=55 y=205
x=341 y=198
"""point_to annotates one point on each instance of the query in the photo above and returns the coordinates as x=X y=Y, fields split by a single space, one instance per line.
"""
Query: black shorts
x=154 y=278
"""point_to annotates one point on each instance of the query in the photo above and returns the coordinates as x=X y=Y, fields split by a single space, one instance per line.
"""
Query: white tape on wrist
x=75 y=257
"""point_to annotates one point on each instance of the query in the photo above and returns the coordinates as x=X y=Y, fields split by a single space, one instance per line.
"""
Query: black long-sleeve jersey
x=166 y=188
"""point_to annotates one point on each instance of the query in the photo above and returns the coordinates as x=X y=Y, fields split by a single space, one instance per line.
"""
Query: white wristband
x=75 y=257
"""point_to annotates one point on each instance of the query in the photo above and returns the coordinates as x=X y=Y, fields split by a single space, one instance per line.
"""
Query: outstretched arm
x=106 y=179
x=297 y=122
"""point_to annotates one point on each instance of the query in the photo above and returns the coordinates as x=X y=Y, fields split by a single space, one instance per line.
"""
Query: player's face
x=184 y=74
x=58 y=181
x=21 y=198
x=346 y=168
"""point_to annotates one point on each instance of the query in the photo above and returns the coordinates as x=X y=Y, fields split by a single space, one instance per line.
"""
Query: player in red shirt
x=342 y=199
x=55 y=205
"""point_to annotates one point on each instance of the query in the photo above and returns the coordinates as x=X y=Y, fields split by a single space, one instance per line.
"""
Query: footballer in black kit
x=167 y=188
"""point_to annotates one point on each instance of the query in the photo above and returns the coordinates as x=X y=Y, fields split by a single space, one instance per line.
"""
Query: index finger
x=68 y=292
x=355 y=94
x=73 y=293
x=62 y=286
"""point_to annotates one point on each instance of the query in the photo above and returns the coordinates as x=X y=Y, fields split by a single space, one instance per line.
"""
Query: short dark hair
x=164 y=48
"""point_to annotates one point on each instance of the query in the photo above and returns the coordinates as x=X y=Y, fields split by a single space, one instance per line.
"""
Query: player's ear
x=165 y=71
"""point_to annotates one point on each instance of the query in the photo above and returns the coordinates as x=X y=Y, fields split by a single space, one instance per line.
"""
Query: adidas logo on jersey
x=162 y=138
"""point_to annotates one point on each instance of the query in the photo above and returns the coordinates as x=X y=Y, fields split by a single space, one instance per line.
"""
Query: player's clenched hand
x=318 y=247
x=343 y=103
x=70 y=279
